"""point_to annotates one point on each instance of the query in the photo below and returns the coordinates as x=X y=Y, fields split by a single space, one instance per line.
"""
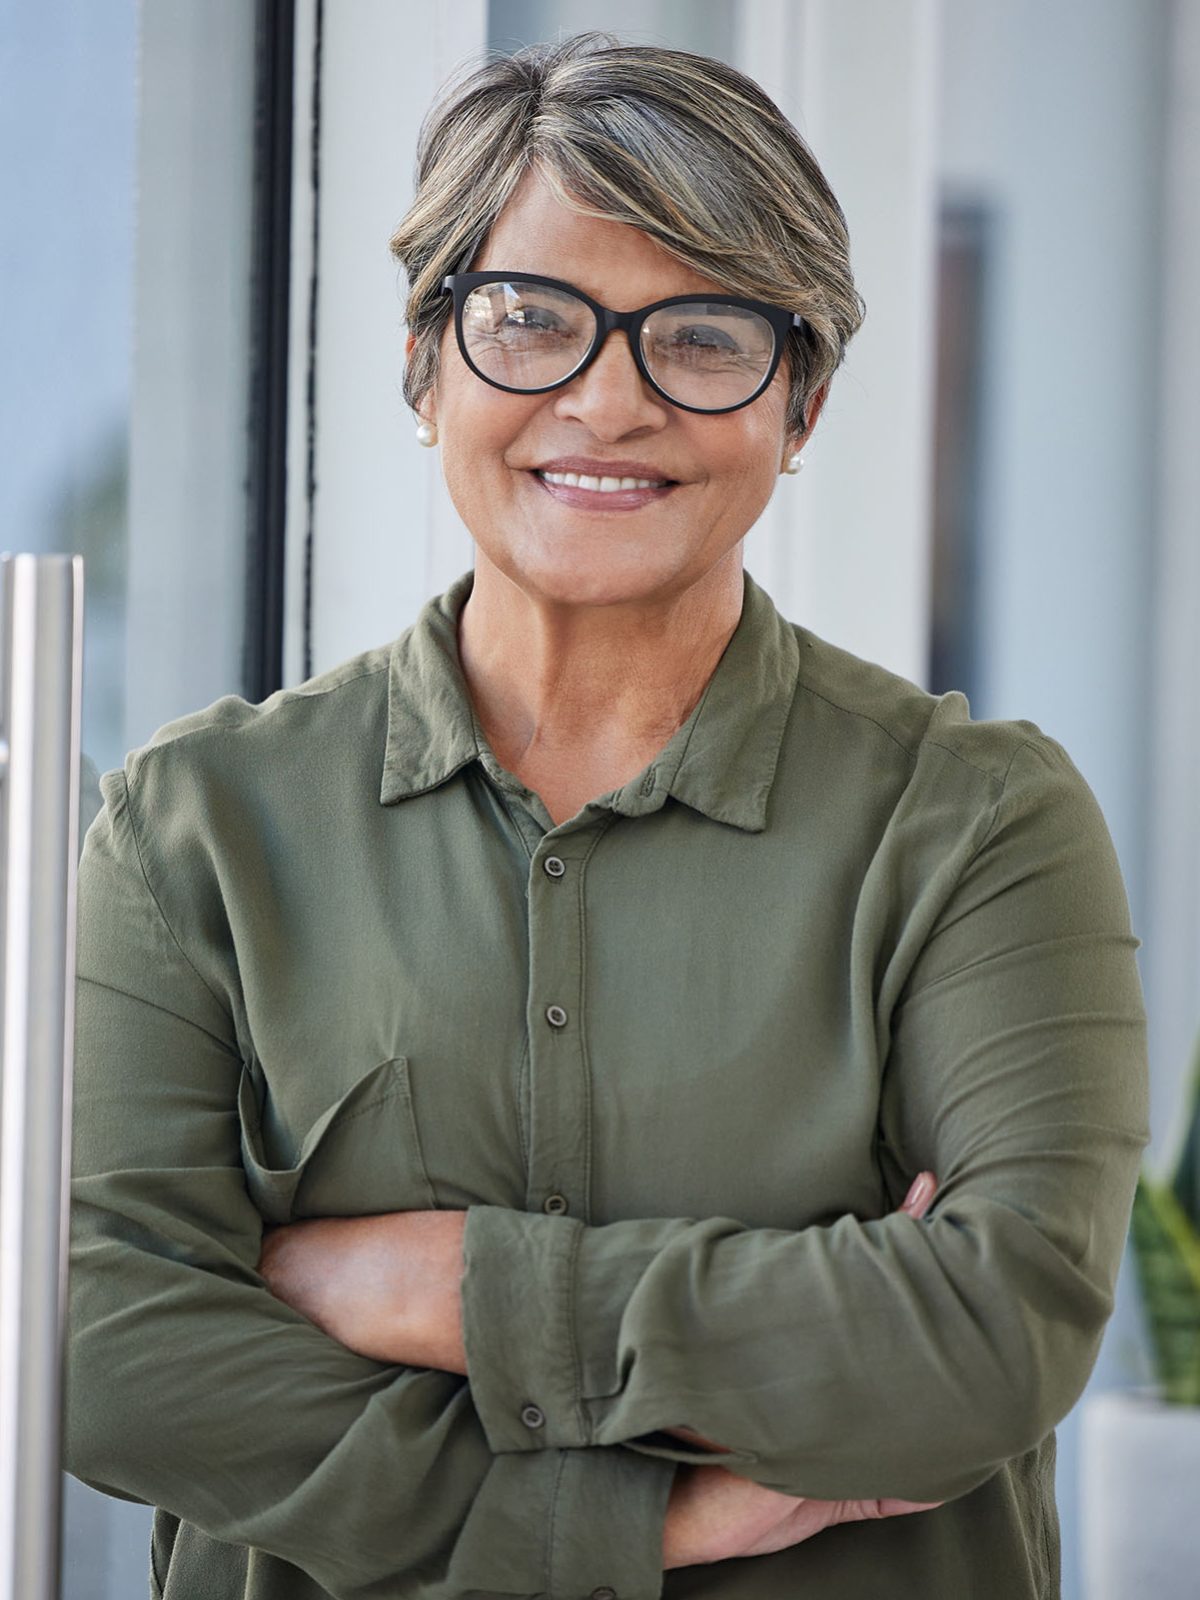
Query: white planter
x=1139 y=1497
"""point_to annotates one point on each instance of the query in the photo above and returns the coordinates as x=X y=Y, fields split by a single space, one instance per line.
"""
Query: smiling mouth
x=578 y=491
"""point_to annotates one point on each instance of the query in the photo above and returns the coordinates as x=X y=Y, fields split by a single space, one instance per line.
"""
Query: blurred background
x=201 y=343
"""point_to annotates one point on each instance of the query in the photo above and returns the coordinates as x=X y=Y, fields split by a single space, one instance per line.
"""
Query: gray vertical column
x=41 y=658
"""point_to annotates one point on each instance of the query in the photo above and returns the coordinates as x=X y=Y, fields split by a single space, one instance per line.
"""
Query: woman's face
x=725 y=466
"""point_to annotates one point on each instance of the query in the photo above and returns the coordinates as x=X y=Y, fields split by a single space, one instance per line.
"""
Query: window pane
x=125 y=245
x=67 y=105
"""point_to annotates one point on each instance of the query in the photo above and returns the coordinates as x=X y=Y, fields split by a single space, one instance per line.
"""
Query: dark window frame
x=266 y=468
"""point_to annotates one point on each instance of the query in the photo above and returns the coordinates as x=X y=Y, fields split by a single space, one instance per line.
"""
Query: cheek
x=486 y=435
x=482 y=448
x=749 y=444
x=751 y=455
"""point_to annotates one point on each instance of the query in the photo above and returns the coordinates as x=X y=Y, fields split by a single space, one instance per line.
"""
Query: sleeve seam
x=158 y=904
x=978 y=850
x=115 y=988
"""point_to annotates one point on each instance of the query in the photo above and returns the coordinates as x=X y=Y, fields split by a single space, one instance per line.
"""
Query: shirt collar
x=721 y=761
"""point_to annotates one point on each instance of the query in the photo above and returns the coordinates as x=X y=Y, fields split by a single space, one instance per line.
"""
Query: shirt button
x=555 y=1204
x=556 y=1016
x=554 y=866
x=532 y=1416
x=604 y=1593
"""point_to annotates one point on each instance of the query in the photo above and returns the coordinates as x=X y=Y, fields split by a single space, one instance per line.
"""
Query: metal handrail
x=41 y=659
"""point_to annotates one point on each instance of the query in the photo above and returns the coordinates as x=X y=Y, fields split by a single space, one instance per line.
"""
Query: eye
x=536 y=319
x=698 y=346
x=702 y=336
x=711 y=339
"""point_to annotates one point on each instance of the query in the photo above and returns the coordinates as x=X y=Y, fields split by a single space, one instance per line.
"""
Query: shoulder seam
x=850 y=712
x=938 y=745
x=138 y=756
x=912 y=754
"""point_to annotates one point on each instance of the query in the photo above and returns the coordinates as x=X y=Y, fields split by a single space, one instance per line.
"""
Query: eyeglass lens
x=529 y=335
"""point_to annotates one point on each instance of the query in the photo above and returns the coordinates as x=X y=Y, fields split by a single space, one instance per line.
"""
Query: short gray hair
x=682 y=146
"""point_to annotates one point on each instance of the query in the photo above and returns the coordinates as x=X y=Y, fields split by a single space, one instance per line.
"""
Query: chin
x=605 y=577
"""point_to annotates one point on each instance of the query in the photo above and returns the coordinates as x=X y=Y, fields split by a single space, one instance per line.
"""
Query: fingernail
x=919 y=1190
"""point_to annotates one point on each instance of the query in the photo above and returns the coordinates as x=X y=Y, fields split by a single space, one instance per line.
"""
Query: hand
x=385 y=1286
x=714 y=1515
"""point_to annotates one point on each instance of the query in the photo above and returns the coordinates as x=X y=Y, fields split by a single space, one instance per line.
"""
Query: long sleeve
x=879 y=1355
x=191 y=1387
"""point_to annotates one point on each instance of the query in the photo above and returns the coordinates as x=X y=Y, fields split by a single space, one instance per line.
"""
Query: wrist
x=675 y=1550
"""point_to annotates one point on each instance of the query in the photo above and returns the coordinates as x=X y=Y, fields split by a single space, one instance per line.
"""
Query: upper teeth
x=605 y=485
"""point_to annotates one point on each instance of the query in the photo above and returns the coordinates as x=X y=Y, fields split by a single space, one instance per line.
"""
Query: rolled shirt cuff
x=567 y=1522
x=543 y=1298
x=518 y=1318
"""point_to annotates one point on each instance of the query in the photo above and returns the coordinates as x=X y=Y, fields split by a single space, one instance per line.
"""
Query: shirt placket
x=559 y=1084
x=559 y=1069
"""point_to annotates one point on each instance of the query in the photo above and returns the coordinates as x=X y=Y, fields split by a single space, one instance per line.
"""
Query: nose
x=611 y=395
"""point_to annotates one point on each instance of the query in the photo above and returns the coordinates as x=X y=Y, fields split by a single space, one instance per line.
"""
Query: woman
x=501 y=1059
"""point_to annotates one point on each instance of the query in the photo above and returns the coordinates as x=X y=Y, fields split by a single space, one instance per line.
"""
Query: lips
x=600 y=500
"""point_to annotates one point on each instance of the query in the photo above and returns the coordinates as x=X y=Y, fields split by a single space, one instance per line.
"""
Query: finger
x=919 y=1197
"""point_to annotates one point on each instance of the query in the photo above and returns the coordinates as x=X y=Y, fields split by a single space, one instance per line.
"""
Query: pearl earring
x=794 y=462
x=427 y=433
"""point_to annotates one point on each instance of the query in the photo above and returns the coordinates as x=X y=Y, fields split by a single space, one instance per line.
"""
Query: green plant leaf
x=1185 y=1183
x=1167 y=1255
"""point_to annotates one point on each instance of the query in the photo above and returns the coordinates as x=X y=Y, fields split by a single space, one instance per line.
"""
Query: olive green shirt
x=678 y=1057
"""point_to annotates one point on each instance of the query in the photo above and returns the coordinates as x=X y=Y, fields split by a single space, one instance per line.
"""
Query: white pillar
x=1173 y=800
x=385 y=535
x=188 y=448
x=844 y=547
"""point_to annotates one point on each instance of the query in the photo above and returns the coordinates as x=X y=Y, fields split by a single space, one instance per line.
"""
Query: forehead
x=614 y=262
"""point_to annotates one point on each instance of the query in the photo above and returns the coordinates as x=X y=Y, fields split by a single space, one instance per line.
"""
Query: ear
x=815 y=406
x=427 y=411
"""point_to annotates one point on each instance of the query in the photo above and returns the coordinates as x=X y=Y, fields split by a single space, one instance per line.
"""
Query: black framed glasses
x=529 y=334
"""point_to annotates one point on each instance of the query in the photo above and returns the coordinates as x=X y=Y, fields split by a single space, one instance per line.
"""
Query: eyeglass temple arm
x=469 y=253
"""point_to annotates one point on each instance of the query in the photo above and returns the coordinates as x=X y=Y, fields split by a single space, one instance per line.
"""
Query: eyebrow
x=516 y=273
x=464 y=263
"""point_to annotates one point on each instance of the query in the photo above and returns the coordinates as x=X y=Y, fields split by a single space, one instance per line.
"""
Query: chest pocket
x=361 y=1156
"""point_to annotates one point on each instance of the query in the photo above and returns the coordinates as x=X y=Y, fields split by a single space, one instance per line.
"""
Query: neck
x=548 y=676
